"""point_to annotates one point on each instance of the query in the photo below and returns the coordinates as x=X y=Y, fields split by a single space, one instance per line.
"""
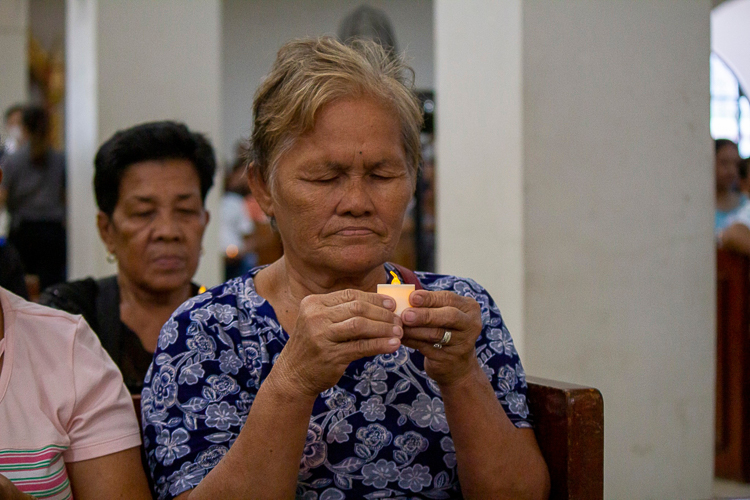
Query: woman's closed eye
x=382 y=176
x=324 y=179
x=188 y=211
x=143 y=214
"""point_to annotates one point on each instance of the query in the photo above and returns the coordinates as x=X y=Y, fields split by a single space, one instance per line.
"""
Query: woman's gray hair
x=310 y=73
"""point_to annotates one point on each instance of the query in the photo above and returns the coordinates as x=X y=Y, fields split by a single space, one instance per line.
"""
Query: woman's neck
x=145 y=311
x=727 y=200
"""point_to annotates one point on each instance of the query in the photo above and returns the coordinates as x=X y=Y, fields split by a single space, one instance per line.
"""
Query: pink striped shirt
x=62 y=398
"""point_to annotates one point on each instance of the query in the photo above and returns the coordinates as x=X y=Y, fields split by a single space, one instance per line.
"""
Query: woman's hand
x=425 y=324
x=332 y=330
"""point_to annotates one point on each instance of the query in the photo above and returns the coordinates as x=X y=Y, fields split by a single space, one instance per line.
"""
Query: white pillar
x=130 y=62
x=479 y=149
x=85 y=249
x=616 y=219
x=14 y=68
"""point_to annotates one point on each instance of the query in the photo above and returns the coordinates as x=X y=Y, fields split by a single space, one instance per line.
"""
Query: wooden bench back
x=570 y=431
x=569 y=427
x=732 y=366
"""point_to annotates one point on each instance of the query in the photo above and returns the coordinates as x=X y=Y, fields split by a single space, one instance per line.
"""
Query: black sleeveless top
x=98 y=301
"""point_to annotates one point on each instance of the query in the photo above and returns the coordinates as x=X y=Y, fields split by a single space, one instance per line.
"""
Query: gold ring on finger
x=446 y=338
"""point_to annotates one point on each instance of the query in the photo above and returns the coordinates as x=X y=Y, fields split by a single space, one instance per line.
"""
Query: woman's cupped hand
x=331 y=331
x=432 y=314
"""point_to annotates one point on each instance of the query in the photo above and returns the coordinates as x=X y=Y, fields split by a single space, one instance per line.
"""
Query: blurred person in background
x=236 y=224
x=12 y=137
x=33 y=191
x=729 y=199
x=13 y=132
x=11 y=267
x=744 y=182
x=151 y=183
x=11 y=270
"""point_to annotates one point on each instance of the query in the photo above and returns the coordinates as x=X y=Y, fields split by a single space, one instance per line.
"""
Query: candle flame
x=395 y=281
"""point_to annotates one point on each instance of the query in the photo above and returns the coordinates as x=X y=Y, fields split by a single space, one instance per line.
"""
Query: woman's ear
x=260 y=189
x=106 y=231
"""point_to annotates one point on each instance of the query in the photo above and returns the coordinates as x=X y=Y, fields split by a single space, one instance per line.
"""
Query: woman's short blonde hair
x=310 y=73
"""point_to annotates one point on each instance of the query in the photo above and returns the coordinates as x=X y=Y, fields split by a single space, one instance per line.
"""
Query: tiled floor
x=730 y=489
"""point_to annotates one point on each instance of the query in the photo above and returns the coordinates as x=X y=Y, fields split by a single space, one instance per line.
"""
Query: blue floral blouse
x=381 y=432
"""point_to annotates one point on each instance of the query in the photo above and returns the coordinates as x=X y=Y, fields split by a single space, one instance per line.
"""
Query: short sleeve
x=197 y=394
x=501 y=363
x=495 y=350
x=103 y=420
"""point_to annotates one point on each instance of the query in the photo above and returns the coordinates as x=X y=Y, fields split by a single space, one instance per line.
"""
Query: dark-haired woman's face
x=156 y=229
x=727 y=167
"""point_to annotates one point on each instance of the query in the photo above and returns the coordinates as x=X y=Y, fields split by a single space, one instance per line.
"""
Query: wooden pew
x=732 y=366
x=569 y=427
x=570 y=431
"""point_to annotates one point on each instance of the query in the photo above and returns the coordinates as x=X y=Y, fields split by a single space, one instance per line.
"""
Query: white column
x=479 y=149
x=147 y=61
x=14 y=25
x=85 y=249
x=616 y=219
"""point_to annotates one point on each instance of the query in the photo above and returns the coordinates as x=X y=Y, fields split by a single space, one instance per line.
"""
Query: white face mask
x=13 y=138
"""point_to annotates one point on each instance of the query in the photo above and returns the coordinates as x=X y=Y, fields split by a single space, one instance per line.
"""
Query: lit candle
x=398 y=292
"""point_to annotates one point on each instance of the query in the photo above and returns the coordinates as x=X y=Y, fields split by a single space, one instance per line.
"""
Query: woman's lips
x=168 y=262
x=355 y=231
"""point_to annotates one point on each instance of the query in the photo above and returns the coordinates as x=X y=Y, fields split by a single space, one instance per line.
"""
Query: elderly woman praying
x=298 y=379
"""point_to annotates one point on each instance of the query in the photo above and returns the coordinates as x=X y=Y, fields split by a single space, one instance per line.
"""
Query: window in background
x=730 y=108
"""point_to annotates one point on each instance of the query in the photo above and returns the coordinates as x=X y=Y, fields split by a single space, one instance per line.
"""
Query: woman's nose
x=356 y=199
x=166 y=227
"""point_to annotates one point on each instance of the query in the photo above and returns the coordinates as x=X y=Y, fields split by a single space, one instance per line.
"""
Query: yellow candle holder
x=399 y=293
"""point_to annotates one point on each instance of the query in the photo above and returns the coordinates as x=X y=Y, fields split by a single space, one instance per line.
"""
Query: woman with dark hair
x=34 y=190
x=151 y=183
x=729 y=198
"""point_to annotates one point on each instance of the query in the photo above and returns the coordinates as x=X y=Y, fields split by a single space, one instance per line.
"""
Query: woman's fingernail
x=409 y=316
x=397 y=331
x=416 y=299
x=389 y=304
x=394 y=342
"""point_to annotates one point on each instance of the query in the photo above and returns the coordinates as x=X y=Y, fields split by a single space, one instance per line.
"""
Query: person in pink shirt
x=67 y=424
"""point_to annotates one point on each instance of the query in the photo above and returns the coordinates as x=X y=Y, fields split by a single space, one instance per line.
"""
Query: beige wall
x=616 y=282
x=253 y=31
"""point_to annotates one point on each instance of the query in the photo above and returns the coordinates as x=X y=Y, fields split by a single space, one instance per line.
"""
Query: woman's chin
x=166 y=282
x=354 y=263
